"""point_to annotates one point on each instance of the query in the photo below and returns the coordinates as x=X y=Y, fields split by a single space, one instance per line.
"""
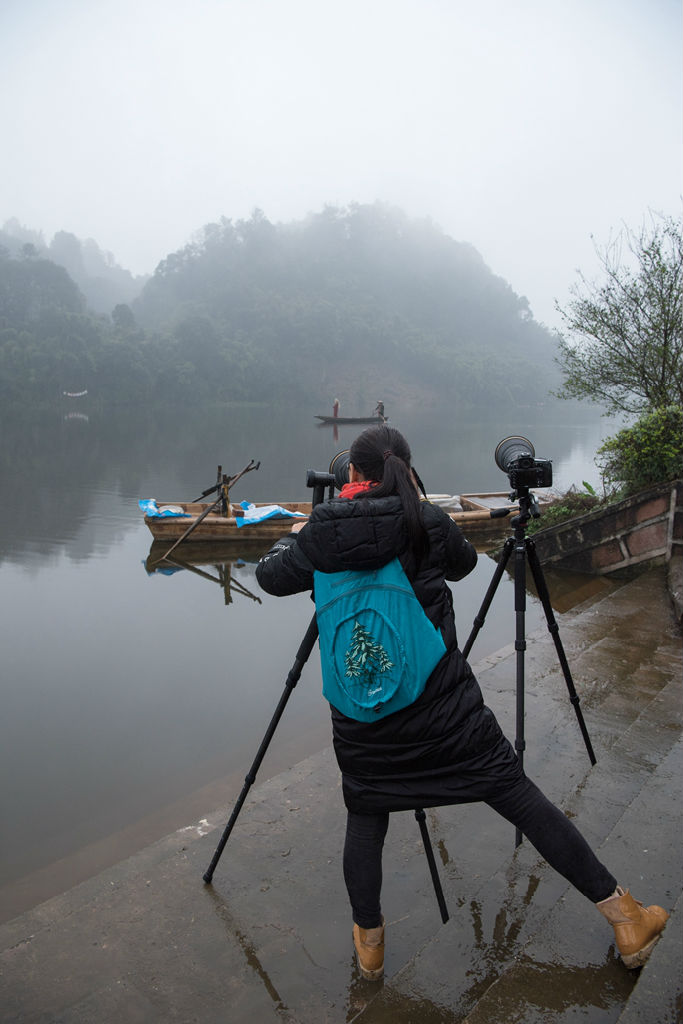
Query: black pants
x=522 y=804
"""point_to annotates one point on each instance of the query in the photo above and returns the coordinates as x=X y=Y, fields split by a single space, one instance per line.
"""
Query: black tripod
x=318 y=481
x=524 y=549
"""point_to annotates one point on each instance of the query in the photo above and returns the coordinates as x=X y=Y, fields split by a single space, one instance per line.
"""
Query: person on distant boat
x=379 y=411
x=446 y=747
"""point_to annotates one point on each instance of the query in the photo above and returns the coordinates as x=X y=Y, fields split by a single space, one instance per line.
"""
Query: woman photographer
x=446 y=747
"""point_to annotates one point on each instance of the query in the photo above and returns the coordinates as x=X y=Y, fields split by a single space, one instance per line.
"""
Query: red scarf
x=353 y=490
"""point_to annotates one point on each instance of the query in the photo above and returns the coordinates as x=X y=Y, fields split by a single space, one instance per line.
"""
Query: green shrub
x=648 y=453
x=567 y=506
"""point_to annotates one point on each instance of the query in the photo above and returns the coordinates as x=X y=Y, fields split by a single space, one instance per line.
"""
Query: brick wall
x=643 y=529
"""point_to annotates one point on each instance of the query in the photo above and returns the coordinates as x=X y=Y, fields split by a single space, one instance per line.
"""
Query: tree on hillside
x=625 y=333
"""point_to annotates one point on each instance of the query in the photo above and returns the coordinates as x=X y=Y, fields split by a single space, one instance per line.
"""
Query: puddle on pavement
x=570 y=589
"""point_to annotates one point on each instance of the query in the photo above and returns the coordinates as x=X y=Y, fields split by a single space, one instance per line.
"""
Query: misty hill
x=360 y=300
x=103 y=282
x=356 y=303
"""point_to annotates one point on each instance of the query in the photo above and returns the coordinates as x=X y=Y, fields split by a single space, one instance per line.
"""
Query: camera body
x=526 y=471
x=516 y=457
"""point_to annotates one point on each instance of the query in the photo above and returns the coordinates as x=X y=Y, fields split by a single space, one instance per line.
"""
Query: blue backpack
x=377 y=645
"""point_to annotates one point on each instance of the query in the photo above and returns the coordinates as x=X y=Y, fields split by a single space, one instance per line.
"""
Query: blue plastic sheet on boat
x=252 y=514
x=150 y=508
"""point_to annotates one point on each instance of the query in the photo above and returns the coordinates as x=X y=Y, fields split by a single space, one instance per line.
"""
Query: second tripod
x=525 y=551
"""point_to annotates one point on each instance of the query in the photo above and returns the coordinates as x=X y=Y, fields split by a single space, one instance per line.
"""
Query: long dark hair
x=382 y=455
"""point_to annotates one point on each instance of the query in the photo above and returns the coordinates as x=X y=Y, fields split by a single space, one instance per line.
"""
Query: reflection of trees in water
x=58 y=473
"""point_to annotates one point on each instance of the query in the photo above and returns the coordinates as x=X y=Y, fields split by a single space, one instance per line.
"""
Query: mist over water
x=125 y=693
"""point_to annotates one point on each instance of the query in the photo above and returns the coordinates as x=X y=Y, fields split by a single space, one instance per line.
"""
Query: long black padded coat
x=446 y=747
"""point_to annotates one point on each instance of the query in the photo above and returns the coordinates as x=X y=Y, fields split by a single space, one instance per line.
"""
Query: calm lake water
x=133 y=702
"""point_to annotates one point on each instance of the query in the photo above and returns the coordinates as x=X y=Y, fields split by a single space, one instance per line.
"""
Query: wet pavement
x=270 y=939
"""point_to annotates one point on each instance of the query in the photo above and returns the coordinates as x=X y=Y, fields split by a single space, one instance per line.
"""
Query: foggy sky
x=522 y=127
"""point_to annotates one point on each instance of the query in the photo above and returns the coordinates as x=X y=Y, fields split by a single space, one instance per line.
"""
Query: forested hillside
x=361 y=301
x=103 y=282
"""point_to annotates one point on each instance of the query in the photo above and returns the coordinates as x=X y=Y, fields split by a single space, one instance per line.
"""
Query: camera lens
x=339 y=468
x=510 y=449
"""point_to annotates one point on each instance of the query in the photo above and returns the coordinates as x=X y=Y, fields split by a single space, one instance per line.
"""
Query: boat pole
x=227 y=484
x=190 y=528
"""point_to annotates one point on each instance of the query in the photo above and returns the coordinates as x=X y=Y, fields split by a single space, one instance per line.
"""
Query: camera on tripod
x=337 y=476
x=516 y=457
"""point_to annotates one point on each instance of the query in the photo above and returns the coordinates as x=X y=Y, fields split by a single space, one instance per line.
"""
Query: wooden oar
x=224 y=491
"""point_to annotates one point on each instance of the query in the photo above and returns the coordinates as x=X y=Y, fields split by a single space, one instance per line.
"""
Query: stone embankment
x=270 y=940
x=627 y=536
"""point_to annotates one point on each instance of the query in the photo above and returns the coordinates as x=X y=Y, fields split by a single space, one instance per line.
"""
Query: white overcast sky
x=521 y=126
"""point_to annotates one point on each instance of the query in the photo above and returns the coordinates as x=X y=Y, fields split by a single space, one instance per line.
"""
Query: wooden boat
x=473 y=511
x=217 y=527
x=331 y=420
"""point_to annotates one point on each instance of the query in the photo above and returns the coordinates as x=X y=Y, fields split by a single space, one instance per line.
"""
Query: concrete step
x=270 y=940
x=656 y=998
x=568 y=970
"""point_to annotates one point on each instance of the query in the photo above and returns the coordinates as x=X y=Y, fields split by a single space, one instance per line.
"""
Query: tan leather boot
x=636 y=928
x=369 y=943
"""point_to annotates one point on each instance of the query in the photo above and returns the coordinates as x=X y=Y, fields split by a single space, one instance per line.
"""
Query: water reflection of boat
x=209 y=562
x=478 y=511
x=208 y=553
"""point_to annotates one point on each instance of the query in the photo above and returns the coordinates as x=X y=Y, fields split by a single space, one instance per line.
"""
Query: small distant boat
x=476 y=511
x=327 y=420
x=376 y=417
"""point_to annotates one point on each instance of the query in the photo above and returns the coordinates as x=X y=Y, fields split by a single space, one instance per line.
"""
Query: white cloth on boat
x=448 y=502
x=256 y=514
x=154 y=511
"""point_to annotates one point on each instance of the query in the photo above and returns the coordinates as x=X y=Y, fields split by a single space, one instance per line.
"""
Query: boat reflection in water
x=214 y=563
x=217 y=562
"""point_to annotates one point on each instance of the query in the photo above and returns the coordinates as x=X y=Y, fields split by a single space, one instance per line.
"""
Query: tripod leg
x=554 y=629
x=307 y=645
x=488 y=597
x=520 y=646
x=420 y=817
